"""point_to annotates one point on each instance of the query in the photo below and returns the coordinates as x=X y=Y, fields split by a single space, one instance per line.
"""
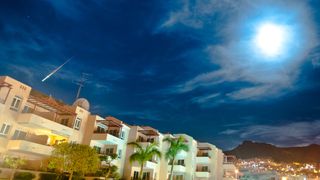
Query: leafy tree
x=142 y=155
x=109 y=170
x=176 y=145
x=14 y=163
x=71 y=157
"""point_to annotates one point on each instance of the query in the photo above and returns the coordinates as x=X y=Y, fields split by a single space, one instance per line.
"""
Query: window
x=146 y=176
x=135 y=175
x=181 y=162
x=26 y=109
x=5 y=129
x=101 y=130
x=16 y=103
x=177 y=177
x=119 y=153
x=77 y=123
x=122 y=134
x=109 y=150
x=140 y=139
x=20 y=135
x=114 y=132
x=65 y=121
x=205 y=169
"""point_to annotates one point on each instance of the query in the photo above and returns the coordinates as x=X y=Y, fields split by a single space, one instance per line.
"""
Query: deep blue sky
x=179 y=66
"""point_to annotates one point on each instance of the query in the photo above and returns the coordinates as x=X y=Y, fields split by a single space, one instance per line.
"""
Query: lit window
x=4 y=129
x=16 y=103
x=77 y=123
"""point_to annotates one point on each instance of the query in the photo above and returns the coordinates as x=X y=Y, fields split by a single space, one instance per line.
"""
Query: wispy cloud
x=236 y=59
x=290 y=134
x=111 y=74
x=70 y=9
x=147 y=115
x=205 y=98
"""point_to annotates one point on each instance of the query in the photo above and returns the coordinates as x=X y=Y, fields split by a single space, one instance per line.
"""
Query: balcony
x=29 y=147
x=203 y=174
x=45 y=121
x=177 y=168
x=203 y=160
x=182 y=155
x=106 y=138
x=149 y=165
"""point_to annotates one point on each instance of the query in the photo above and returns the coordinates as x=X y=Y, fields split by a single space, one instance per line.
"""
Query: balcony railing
x=202 y=170
x=146 y=140
x=38 y=139
x=203 y=155
x=178 y=164
x=52 y=116
x=116 y=134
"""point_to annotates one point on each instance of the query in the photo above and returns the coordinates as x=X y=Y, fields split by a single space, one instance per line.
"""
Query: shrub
x=24 y=176
x=48 y=176
x=53 y=176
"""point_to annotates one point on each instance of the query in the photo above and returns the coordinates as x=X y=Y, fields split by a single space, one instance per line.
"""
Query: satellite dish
x=82 y=102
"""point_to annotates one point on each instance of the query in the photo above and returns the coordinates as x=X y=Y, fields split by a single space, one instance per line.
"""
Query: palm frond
x=136 y=157
x=136 y=144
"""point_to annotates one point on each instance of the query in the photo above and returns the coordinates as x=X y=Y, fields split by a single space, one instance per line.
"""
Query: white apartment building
x=209 y=159
x=108 y=136
x=185 y=163
x=145 y=135
x=230 y=171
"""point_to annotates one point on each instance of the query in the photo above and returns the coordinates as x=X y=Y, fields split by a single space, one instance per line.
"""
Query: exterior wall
x=33 y=129
x=78 y=135
x=150 y=167
x=230 y=171
x=190 y=158
x=105 y=140
x=7 y=114
x=219 y=167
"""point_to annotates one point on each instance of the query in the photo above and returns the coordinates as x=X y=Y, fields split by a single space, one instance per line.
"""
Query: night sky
x=179 y=66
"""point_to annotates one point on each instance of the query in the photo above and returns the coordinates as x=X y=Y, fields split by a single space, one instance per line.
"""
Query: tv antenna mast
x=81 y=82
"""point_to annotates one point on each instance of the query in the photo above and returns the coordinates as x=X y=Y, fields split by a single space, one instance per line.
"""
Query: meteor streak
x=57 y=69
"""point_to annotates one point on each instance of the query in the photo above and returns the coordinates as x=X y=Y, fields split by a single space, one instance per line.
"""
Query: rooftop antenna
x=81 y=82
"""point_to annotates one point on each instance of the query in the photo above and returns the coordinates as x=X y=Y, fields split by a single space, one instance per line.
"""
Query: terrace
x=108 y=131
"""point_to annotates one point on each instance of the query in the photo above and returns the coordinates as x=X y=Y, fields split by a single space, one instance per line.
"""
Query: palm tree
x=176 y=145
x=142 y=155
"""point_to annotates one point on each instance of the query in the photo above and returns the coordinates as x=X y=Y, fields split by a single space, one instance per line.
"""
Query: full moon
x=270 y=39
